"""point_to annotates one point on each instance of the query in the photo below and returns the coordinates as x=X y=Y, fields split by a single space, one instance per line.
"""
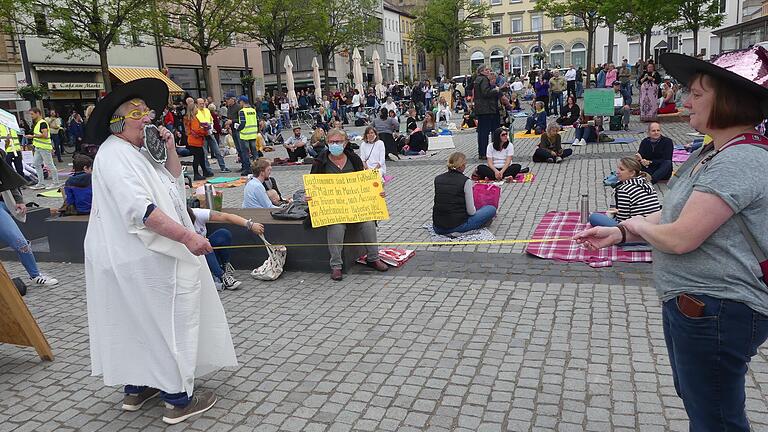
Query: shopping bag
x=486 y=194
x=273 y=266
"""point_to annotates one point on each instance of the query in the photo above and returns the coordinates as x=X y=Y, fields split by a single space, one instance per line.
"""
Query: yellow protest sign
x=345 y=198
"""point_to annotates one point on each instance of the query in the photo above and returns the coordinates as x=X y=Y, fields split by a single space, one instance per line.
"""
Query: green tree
x=589 y=17
x=77 y=26
x=277 y=25
x=199 y=26
x=639 y=17
x=442 y=26
x=695 y=14
x=334 y=24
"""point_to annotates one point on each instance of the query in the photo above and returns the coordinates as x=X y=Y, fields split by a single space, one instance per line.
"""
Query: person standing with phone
x=708 y=238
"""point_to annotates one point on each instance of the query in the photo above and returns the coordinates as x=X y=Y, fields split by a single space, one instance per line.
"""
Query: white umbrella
x=357 y=71
x=316 y=79
x=381 y=91
x=292 y=99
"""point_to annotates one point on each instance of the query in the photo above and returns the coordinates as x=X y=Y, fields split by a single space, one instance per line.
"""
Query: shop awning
x=62 y=68
x=125 y=75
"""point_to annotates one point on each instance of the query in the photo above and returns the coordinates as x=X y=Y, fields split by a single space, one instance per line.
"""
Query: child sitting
x=77 y=189
x=469 y=121
x=538 y=120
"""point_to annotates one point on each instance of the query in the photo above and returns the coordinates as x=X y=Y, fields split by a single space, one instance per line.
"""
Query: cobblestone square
x=465 y=338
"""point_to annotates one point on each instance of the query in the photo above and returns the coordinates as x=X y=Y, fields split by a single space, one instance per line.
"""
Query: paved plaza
x=470 y=338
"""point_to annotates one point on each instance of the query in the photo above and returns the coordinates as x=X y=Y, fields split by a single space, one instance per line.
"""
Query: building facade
x=226 y=69
x=750 y=27
x=392 y=64
x=518 y=38
x=10 y=73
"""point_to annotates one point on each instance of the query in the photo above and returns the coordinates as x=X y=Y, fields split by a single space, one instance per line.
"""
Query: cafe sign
x=75 y=86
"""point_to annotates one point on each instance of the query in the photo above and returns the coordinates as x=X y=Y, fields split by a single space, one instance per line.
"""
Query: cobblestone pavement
x=455 y=340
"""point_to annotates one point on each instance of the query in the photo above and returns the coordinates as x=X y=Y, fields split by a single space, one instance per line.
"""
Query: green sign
x=598 y=102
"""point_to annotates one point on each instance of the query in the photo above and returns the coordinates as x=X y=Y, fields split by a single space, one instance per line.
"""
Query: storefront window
x=189 y=79
x=579 y=55
x=556 y=56
x=230 y=82
x=497 y=61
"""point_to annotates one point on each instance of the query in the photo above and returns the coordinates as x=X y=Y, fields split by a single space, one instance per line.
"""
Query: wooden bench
x=65 y=236
x=673 y=117
x=34 y=227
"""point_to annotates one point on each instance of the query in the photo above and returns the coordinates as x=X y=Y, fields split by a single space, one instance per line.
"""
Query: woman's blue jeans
x=11 y=235
x=219 y=257
x=482 y=216
x=587 y=133
x=601 y=219
x=709 y=357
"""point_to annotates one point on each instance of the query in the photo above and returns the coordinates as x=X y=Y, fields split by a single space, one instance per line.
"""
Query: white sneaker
x=558 y=159
x=42 y=279
x=229 y=282
x=37 y=186
x=583 y=142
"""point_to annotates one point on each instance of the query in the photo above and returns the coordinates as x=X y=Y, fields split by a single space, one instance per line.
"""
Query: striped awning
x=125 y=74
x=65 y=68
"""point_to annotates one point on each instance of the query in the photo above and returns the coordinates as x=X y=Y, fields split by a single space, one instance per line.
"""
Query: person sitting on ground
x=416 y=144
x=551 y=147
x=586 y=129
x=621 y=105
x=443 y=110
x=361 y=117
x=390 y=105
x=538 y=120
x=411 y=120
x=78 y=191
x=499 y=153
x=514 y=102
x=634 y=195
x=655 y=154
x=454 y=206
x=317 y=141
x=469 y=121
x=393 y=114
x=667 y=105
x=296 y=146
x=372 y=151
x=429 y=124
x=570 y=113
x=218 y=260
x=321 y=119
x=341 y=159
x=255 y=194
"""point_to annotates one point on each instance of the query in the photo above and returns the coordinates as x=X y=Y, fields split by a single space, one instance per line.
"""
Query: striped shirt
x=635 y=197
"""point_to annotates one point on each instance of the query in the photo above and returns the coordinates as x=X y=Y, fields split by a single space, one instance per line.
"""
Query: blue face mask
x=336 y=149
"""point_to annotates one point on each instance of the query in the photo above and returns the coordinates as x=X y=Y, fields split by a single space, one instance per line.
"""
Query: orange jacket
x=195 y=132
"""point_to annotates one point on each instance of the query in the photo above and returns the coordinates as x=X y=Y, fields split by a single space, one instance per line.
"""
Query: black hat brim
x=152 y=91
x=683 y=68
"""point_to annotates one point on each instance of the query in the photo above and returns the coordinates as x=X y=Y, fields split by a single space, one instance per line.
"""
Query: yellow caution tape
x=405 y=243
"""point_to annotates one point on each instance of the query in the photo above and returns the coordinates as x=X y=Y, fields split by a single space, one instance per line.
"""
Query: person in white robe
x=154 y=316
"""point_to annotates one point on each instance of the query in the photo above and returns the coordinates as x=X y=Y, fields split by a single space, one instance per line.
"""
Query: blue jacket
x=78 y=191
x=540 y=120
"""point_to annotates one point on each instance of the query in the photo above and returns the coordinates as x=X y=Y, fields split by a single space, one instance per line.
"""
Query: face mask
x=336 y=149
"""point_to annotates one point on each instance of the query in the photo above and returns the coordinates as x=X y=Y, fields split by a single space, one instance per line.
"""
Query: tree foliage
x=200 y=26
x=639 y=17
x=695 y=15
x=335 y=24
x=442 y=26
x=75 y=26
x=588 y=12
x=276 y=25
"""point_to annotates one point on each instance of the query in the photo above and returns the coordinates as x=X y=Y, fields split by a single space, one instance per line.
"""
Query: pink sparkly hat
x=747 y=69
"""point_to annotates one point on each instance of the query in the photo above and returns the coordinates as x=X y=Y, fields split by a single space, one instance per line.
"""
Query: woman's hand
x=307 y=198
x=499 y=175
x=598 y=237
x=633 y=223
x=167 y=136
x=198 y=244
x=21 y=209
x=383 y=194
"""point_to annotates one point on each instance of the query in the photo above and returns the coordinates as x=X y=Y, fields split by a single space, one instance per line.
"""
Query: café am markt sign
x=75 y=86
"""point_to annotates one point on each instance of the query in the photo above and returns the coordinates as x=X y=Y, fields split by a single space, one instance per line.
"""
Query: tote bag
x=486 y=194
x=273 y=266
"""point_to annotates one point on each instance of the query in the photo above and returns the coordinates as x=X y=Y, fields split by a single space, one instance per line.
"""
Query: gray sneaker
x=228 y=269
x=134 y=402
x=200 y=402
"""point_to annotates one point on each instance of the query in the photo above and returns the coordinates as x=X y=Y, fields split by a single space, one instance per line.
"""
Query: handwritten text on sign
x=345 y=198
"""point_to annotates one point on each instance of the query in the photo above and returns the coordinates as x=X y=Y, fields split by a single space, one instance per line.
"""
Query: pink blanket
x=680 y=156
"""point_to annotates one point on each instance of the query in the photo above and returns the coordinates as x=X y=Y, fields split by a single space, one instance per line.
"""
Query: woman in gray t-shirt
x=709 y=279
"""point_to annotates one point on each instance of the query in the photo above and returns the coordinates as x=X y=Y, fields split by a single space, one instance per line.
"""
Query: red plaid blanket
x=566 y=224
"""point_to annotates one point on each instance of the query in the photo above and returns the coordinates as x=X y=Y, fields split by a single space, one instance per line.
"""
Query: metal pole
x=248 y=71
x=541 y=50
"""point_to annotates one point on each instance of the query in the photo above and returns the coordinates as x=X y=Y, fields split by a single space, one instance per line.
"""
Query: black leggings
x=485 y=172
x=16 y=162
x=198 y=159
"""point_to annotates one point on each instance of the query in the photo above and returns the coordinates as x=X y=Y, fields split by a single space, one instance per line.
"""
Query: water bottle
x=209 y=195
x=584 y=214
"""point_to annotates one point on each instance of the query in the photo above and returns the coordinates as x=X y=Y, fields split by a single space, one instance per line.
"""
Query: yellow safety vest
x=13 y=146
x=42 y=143
x=251 y=127
x=204 y=116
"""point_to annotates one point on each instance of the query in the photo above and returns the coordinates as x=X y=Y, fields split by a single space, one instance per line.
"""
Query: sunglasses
x=135 y=115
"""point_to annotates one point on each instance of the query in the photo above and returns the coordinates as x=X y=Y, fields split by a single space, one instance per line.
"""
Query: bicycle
x=305 y=118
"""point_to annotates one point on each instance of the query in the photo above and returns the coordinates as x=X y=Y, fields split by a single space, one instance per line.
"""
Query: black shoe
x=525 y=170
x=209 y=174
x=244 y=173
x=198 y=177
